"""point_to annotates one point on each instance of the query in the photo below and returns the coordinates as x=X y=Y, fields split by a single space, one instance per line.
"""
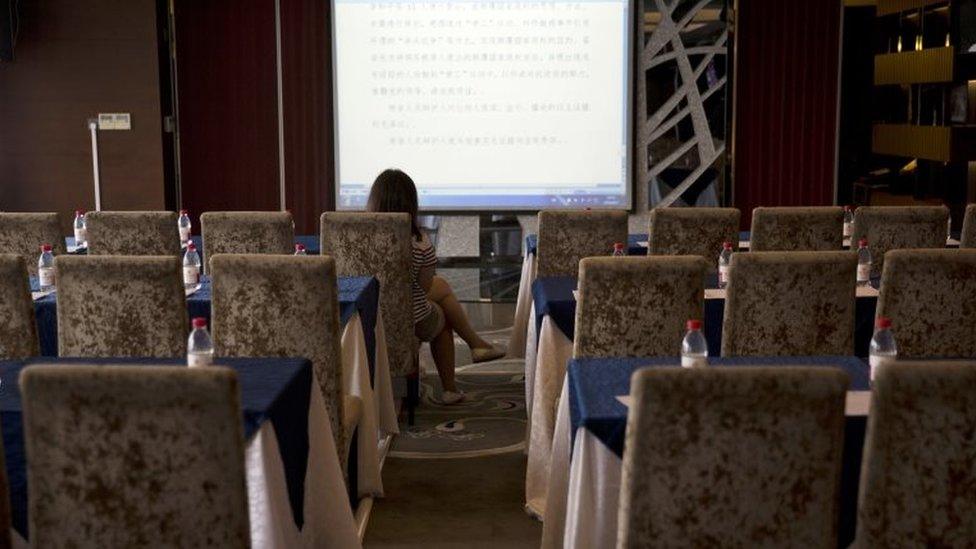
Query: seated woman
x=437 y=313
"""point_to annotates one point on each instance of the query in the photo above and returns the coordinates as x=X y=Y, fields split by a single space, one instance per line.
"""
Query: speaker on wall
x=8 y=29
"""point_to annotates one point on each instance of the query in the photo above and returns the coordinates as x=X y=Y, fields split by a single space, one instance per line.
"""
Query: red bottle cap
x=618 y=246
x=191 y=247
x=299 y=247
x=862 y=243
x=848 y=207
x=882 y=322
x=726 y=245
x=693 y=325
x=45 y=247
x=199 y=322
x=79 y=212
x=184 y=212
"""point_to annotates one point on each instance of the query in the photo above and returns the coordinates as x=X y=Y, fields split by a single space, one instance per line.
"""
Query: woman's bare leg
x=441 y=293
x=442 y=347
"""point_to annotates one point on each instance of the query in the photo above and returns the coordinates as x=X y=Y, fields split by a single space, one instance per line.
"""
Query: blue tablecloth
x=594 y=384
x=311 y=242
x=634 y=246
x=356 y=294
x=275 y=389
x=553 y=296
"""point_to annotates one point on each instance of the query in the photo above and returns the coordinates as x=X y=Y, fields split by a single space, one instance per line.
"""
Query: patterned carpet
x=491 y=420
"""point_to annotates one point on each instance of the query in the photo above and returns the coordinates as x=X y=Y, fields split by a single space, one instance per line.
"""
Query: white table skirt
x=548 y=374
x=356 y=382
x=328 y=517
x=383 y=383
x=523 y=304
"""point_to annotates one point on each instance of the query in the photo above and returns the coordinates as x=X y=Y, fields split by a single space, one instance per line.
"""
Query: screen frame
x=630 y=72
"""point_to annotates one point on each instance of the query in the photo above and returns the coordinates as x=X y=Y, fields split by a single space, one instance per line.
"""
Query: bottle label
x=194 y=360
x=863 y=272
x=184 y=234
x=876 y=361
x=45 y=276
x=191 y=275
x=81 y=236
x=693 y=362
x=723 y=274
x=848 y=229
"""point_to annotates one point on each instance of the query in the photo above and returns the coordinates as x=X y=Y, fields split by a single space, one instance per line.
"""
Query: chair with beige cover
x=134 y=456
x=790 y=304
x=378 y=244
x=247 y=233
x=797 y=229
x=24 y=234
x=637 y=306
x=566 y=237
x=18 y=332
x=693 y=231
x=284 y=306
x=133 y=233
x=968 y=238
x=733 y=457
x=930 y=297
x=121 y=306
x=918 y=473
x=899 y=227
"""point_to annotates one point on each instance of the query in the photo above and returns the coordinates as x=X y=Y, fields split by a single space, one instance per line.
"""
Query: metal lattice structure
x=681 y=97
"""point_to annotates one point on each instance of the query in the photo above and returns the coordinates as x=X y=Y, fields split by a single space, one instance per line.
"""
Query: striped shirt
x=423 y=256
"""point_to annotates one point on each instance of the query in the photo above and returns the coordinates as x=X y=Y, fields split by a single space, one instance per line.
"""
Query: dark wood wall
x=227 y=66
x=75 y=59
x=786 y=99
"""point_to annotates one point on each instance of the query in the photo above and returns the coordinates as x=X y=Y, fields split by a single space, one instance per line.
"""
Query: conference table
x=549 y=348
x=364 y=355
x=310 y=241
x=585 y=469
x=295 y=489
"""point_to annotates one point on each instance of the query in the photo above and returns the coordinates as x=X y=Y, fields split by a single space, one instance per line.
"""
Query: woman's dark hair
x=394 y=191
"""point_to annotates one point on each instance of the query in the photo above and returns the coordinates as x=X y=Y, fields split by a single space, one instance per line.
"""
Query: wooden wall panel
x=75 y=59
x=228 y=106
x=785 y=101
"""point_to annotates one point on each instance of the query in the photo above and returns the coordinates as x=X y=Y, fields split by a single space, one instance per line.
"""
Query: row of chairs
x=566 y=237
x=135 y=306
x=777 y=303
x=711 y=456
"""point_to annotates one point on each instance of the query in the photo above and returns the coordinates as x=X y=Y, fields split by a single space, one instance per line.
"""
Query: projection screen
x=488 y=105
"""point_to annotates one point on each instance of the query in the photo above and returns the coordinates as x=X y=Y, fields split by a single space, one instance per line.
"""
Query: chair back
x=637 y=306
x=247 y=233
x=18 y=332
x=121 y=306
x=733 y=457
x=968 y=238
x=693 y=231
x=797 y=229
x=790 y=304
x=918 y=473
x=281 y=306
x=24 y=234
x=380 y=245
x=899 y=227
x=133 y=456
x=566 y=237
x=930 y=295
x=133 y=233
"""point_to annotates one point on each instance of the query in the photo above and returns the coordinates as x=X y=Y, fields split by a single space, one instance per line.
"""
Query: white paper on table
x=857 y=403
x=714 y=293
x=40 y=295
x=191 y=291
x=866 y=291
x=744 y=245
x=643 y=243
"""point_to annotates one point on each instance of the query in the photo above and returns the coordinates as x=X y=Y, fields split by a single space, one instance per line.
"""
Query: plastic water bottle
x=724 y=264
x=45 y=269
x=848 y=221
x=185 y=226
x=191 y=267
x=863 y=263
x=883 y=348
x=694 y=348
x=618 y=249
x=199 y=348
x=300 y=249
x=81 y=229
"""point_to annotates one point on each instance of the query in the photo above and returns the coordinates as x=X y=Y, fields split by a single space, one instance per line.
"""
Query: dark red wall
x=786 y=89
